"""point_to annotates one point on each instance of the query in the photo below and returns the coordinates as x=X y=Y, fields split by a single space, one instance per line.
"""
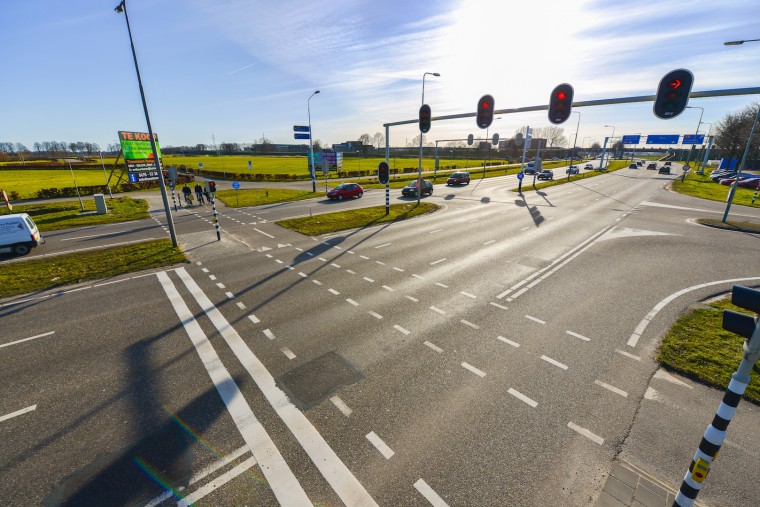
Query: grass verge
x=355 y=218
x=49 y=272
x=613 y=166
x=260 y=196
x=704 y=188
x=63 y=215
x=698 y=347
x=730 y=225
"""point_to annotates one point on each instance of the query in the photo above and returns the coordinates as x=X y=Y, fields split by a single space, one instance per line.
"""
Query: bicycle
x=189 y=199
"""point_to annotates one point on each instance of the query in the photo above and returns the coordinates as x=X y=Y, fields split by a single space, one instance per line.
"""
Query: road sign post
x=236 y=186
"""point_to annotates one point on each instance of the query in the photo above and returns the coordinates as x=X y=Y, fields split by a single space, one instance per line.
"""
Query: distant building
x=349 y=146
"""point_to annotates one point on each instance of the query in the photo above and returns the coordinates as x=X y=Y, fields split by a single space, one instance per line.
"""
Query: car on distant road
x=633 y=166
x=573 y=169
x=753 y=183
x=530 y=168
x=546 y=174
x=346 y=190
x=664 y=170
x=639 y=163
x=652 y=165
x=589 y=167
x=667 y=162
x=412 y=189
x=459 y=178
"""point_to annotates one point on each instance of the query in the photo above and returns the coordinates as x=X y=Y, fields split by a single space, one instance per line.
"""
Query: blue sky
x=240 y=69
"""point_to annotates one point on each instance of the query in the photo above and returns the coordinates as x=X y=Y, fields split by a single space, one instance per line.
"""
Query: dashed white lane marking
x=205 y=270
x=229 y=295
x=468 y=323
x=254 y=319
x=376 y=315
x=439 y=284
x=381 y=446
x=550 y=218
x=429 y=494
x=471 y=296
x=335 y=265
x=221 y=285
x=476 y=371
x=351 y=252
x=401 y=329
x=611 y=388
x=525 y=228
x=351 y=302
x=437 y=310
x=388 y=288
x=626 y=354
x=344 y=409
x=489 y=242
x=288 y=353
x=438 y=261
x=307 y=253
x=199 y=263
x=554 y=362
x=240 y=305
x=322 y=259
x=383 y=245
x=434 y=347
x=433 y=232
x=534 y=319
x=350 y=272
x=520 y=396
x=337 y=248
x=18 y=413
x=299 y=249
x=317 y=282
x=364 y=257
x=399 y=270
x=508 y=341
x=302 y=274
x=270 y=256
x=333 y=291
x=268 y=333
x=586 y=433
x=418 y=276
x=27 y=339
x=497 y=305
x=473 y=220
x=579 y=336
x=264 y=233
x=370 y=280
x=380 y=262
x=410 y=298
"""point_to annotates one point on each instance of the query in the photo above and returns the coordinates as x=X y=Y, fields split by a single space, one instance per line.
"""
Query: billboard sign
x=138 y=153
x=334 y=160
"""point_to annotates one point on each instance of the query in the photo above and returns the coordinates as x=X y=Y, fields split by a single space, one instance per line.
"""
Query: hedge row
x=51 y=193
x=292 y=177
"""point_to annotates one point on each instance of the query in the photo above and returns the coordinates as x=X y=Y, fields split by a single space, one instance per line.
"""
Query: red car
x=345 y=190
x=753 y=183
x=459 y=178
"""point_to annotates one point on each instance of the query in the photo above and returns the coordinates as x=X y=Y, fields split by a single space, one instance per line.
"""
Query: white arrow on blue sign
x=235 y=185
x=301 y=128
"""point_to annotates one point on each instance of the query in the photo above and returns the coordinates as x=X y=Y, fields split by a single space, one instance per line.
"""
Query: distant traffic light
x=425 y=118
x=560 y=103
x=383 y=173
x=470 y=140
x=211 y=186
x=484 y=117
x=673 y=94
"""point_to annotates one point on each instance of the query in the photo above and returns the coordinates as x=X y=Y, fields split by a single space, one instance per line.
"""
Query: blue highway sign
x=631 y=139
x=302 y=136
x=690 y=139
x=663 y=139
x=300 y=128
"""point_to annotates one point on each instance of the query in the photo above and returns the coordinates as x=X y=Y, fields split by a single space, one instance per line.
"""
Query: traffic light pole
x=741 y=167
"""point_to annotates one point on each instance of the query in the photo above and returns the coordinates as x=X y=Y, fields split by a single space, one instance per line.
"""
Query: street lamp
x=575 y=141
x=604 y=149
x=311 y=146
x=693 y=145
x=739 y=42
x=122 y=7
x=702 y=161
x=419 y=168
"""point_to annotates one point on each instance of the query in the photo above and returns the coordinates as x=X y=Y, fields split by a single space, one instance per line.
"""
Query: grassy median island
x=355 y=218
x=49 y=272
x=698 y=347
x=261 y=196
x=53 y=216
x=528 y=180
x=704 y=188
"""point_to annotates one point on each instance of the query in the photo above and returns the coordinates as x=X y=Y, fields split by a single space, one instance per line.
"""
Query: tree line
x=9 y=150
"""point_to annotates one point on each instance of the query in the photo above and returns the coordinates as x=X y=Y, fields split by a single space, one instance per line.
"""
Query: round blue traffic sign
x=235 y=185
x=520 y=175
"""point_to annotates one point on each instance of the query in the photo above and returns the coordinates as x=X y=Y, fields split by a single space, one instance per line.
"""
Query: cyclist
x=199 y=192
x=188 y=195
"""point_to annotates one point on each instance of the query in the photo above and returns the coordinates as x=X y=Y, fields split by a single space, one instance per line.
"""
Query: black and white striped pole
x=384 y=176
x=216 y=219
x=748 y=327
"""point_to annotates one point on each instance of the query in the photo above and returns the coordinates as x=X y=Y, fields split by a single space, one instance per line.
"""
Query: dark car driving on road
x=546 y=174
x=459 y=178
x=411 y=189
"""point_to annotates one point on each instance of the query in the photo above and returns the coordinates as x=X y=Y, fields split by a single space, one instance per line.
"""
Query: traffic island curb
x=729 y=225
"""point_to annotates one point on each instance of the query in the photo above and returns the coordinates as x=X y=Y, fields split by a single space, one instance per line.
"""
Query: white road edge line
x=18 y=413
x=27 y=339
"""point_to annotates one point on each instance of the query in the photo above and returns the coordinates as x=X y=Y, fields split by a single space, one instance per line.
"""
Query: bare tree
x=378 y=140
x=365 y=139
x=595 y=146
x=732 y=132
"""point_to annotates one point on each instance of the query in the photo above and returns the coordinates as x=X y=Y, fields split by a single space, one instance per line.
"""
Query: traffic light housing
x=425 y=115
x=741 y=323
x=673 y=94
x=211 y=186
x=383 y=173
x=560 y=103
x=484 y=118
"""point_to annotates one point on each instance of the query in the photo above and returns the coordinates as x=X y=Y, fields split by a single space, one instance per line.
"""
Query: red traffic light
x=383 y=173
x=675 y=84
x=425 y=115
x=560 y=103
x=484 y=116
x=561 y=95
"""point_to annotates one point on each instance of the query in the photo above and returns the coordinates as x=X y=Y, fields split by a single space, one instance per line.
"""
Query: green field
x=28 y=181
x=63 y=215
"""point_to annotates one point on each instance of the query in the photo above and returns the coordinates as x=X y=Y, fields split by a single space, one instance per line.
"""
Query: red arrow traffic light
x=675 y=84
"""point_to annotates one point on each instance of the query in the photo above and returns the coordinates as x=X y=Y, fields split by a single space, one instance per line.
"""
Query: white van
x=18 y=233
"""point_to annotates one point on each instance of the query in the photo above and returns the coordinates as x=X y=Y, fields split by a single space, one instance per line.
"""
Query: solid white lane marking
x=489 y=242
x=27 y=339
x=434 y=347
x=268 y=333
x=376 y=315
x=611 y=388
x=264 y=233
x=554 y=362
x=351 y=302
x=497 y=305
x=401 y=329
x=240 y=305
x=388 y=288
x=579 y=336
x=370 y=280
x=76 y=290
x=18 y=413
x=383 y=245
x=335 y=265
x=381 y=446
x=399 y=270
x=229 y=295
x=626 y=354
x=508 y=341
x=439 y=284
x=205 y=270
x=410 y=298
x=429 y=494
x=302 y=274
x=471 y=296
x=288 y=353
x=364 y=257
x=317 y=282
x=345 y=409
x=438 y=261
x=221 y=285
x=433 y=232
x=333 y=291
x=586 y=433
x=534 y=319
x=520 y=396
x=418 y=276
x=110 y=283
x=217 y=483
x=212 y=277
x=476 y=371
x=93 y=236
x=634 y=339
x=285 y=486
x=468 y=323
x=437 y=310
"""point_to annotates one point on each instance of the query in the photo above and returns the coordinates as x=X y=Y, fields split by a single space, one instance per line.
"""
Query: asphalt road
x=492 y=353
